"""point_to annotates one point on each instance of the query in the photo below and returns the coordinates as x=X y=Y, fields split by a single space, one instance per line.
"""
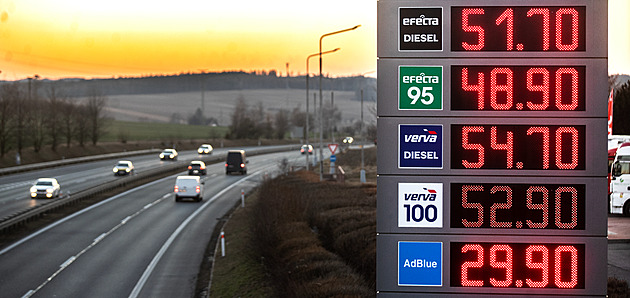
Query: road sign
x=333 y=148
x=333 y=158
x=496 y=109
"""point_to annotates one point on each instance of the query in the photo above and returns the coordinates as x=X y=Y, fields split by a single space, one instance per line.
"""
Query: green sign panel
x=420 y=88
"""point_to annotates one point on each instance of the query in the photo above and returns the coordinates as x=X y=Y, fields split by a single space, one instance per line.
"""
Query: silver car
x=168 y=154
x=45 y=188
x=123 y=167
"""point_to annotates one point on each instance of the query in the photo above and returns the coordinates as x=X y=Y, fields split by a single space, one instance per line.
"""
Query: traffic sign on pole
x=333 y=148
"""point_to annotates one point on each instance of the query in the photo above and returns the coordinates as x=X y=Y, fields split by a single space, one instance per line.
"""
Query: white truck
x=620 y=182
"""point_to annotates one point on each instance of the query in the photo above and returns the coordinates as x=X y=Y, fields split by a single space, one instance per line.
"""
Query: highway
x=76 y=177
x=139 y=243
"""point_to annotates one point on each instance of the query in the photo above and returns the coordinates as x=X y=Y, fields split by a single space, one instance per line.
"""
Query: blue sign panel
x=420 y=146
x=333 y=158
x=420 y=263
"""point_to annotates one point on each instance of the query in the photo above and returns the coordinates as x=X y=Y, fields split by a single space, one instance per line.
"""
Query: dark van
x=236 y=162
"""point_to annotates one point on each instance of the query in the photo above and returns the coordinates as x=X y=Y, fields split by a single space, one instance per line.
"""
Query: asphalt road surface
x=140 y=243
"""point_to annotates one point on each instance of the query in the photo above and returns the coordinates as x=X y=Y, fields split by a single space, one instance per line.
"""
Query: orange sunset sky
x=103 y=39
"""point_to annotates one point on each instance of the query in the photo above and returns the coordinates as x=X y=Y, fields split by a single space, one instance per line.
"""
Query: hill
x=174 y=98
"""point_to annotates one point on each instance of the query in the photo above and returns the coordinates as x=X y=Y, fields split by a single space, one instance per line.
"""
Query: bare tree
x=21 y=119
x=38 y=121
x=55 y=107
x=282 y=123
x=8 y=94
x=95 y=113
x=68 y=120
x=81 y=122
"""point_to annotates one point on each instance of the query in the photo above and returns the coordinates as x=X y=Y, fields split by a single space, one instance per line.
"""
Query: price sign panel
x=492 y=147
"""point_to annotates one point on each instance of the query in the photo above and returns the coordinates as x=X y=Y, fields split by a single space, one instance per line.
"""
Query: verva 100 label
x=420 y=205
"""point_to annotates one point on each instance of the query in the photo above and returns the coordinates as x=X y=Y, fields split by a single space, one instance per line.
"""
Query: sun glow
x=67 y=38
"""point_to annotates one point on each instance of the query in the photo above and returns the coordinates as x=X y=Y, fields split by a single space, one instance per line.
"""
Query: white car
x=169 y=154
x=188 y=187
x=205 y=149
x=45 y=188
x=123 y=167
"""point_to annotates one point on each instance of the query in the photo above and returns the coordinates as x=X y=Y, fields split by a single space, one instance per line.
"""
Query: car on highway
x=188 y=187
x=45 y=188
x=306 y=149
x=197 y=167
x=205 y=149
x=168 y=154
x=123 y=167
x=236 y=162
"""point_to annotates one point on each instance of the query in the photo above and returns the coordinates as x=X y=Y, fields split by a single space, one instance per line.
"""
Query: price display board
x=491 y=156
x=518 y=28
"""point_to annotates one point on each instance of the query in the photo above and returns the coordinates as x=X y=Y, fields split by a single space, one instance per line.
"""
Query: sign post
x=333 y=157
x=491 y=156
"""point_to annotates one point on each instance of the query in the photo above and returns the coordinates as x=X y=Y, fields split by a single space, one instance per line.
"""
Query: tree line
x=252 y=122
x=28 y=119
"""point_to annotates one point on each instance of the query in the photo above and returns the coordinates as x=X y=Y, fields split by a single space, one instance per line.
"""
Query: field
x=145 y=131
x=220 y=104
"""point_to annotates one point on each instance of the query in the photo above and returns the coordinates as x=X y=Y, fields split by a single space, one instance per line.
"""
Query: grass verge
x=241 y=272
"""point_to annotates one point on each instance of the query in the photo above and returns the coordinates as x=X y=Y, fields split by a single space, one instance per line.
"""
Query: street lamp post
x=307 y=114
x=321 y=115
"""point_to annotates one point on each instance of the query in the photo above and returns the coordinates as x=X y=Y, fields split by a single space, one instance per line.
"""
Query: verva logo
x=431 y=137
x=424 y=195
x=420 y=146
x=420 y=205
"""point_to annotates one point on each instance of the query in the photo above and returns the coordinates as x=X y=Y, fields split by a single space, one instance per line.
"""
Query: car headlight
x=161 y=155
x=115 y=170
x=33 y=189
x=127 y=170
x=172 y=155
x=199 y=150
x=50 y=190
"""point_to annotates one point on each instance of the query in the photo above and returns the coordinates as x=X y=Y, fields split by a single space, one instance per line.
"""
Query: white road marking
x=147 y=272
x=101 y=237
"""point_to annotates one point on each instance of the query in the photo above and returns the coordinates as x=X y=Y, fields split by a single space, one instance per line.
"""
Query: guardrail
x=32 y=213
x=63 y=162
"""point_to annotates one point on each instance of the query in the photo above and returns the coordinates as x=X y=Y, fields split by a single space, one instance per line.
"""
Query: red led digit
x=545 y=143
x=495 y=206
x=574 y=205
x=474 y=264
x=508 y=17
x=574 y=89
x=480 y=151
x=508 y=146
x=480 y=32
x=507 y=264
x=574 y=29
x=544 y=88
x=544 y=206
x=574 y=148
x=543 y=265
x=478 y=206
x=544 y=12
x=479 y=88
x=559 y=253
x=507 y=88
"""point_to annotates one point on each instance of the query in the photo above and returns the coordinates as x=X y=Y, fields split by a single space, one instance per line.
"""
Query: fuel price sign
x=491 y=147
